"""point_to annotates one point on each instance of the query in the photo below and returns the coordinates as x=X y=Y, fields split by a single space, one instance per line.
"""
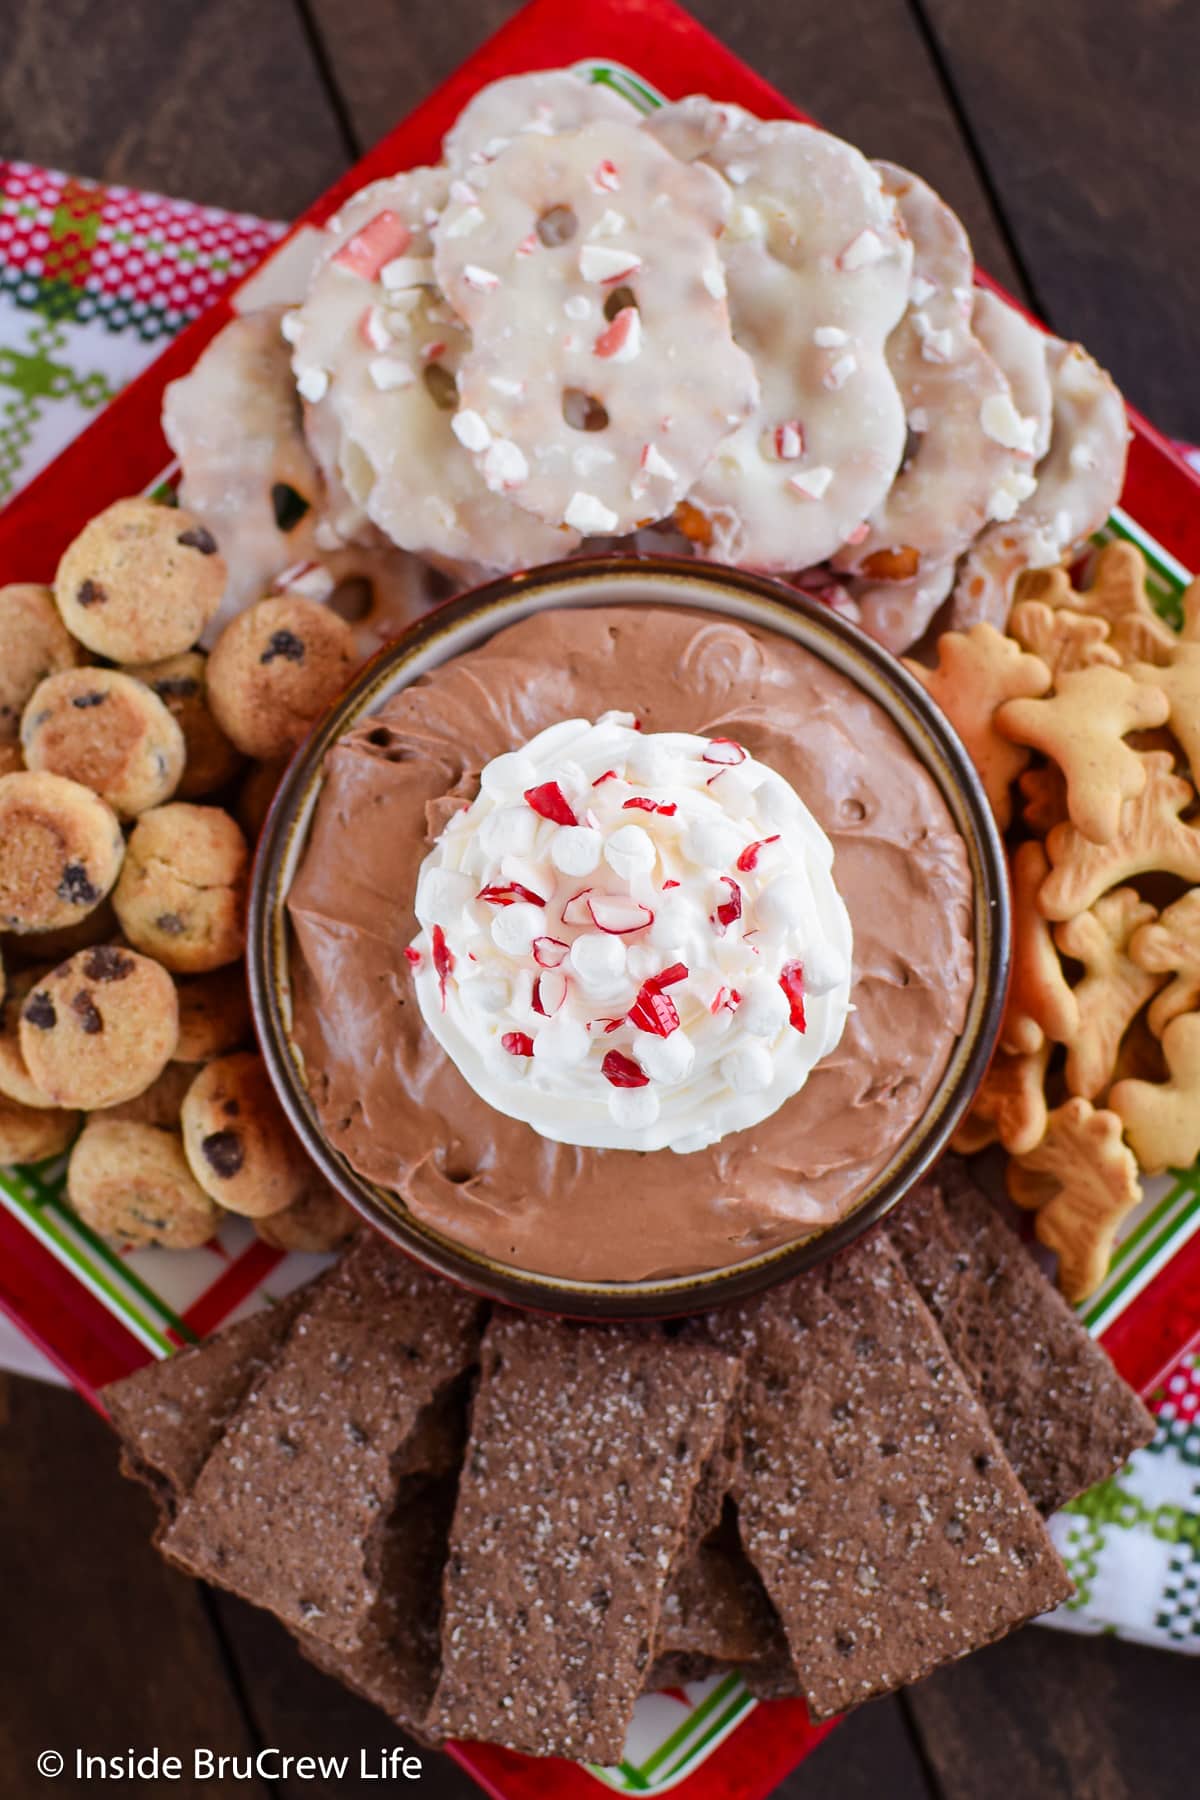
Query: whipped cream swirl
x=632 y=940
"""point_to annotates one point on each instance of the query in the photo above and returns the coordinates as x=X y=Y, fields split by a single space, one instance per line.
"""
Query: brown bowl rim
x=932 y=739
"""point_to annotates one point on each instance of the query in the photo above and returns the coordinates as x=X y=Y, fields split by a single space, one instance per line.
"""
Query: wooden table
x=1067 y=136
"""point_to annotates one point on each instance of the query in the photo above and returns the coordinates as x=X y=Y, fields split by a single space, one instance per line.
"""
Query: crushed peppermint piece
x=840 y=370
x=1005 y=426
x=467 y=221
x=389 y=373
x=376 y=243
x=812 y=483
x=622 y=1071
x=830 y=337
x=504 y=464
x=605 y=264
x=791 y=980
x=471 y=429
x=586 y=514
x=737 y=173
x=609 y=224
x=549 y=801
x=867 y=248
x=1083 y=457
x=291 y=326
x=714 y=281
x=789 y=441
x=504 y=384
x=407 y=272
x=605 y=177
x=920 y=290
x=653 y=464
x=622 y=341
x=374 y=328
x=517 y=1043
x=312 y=384
x=483 y=281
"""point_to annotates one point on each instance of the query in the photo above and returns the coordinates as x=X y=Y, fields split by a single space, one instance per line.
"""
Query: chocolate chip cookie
x=318 y=1221
x=182 y=893
x=131 y=1183
x=214 y=1014
x=108 y=732
x=100 y=1028
x=33 y=1135
x=181 y=684
x=60 y=851
x=275 y=669
x=140 y=582
x=240 y=1146
x=34 y=643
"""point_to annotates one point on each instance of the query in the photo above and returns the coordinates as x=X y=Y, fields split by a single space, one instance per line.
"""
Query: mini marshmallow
x=633 y=1107
x=630 y=851
x=515 y=927
x=598 y=958
x=575 y=849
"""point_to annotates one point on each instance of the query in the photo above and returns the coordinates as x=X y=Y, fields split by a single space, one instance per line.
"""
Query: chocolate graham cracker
x=875 y=1501
x=587 y=1444
x=170 y=1414
x=1065 y=1418
x=716 y=1605
x=289 y=1509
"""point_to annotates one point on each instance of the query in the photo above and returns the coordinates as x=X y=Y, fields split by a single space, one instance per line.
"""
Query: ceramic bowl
x=461 y=624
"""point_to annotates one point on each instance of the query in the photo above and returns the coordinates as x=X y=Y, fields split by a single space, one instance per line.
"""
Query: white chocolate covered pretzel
x=601 y=374
x=550 y=101
x=817 y=265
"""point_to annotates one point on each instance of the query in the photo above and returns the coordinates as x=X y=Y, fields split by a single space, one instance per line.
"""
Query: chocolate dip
x=393 y=1103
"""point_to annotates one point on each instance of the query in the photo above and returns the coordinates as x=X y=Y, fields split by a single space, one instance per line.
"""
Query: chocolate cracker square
x=875 y=1501
x=1061 y=1411
x=289 y=1509
x=586 y=1447
x=170 y=1414
x=716 y=1605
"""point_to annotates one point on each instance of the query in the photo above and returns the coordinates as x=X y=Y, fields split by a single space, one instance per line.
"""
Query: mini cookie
x=970 y=453
x=182 y=893
x=1113 y=989
x=1079 y=481
x=1151 y=835
x=1082 y=1181
x=162 y=1102
x=977 y=671
x=817 y=266
x=34 y=643
x=1179 y=680
x=544 y=104
x=60 y=851
x=1081 y=727
x=214 y=1014
x=1117 y=594
x=602 y=373
x=181 y=684
x=131 y=1183
x=1065 y=640
x=239 y=1144
x=376 y=354
x=29 y=1135
x=1040 y=1003
x=1172 y=947
x=108 y=732
x=1010 y=1107
x=1162 y=1119
x=1043 y=796
x=16 y=1083
x=274 y=671
x=140 y=582
x=100 y=1028
x=255 y=795
x=318 y=1221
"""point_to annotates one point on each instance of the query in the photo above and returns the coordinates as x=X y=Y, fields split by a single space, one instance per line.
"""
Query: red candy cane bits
x=791 y=980
x=621 y=1071
x=551 y=803
x=443 y=961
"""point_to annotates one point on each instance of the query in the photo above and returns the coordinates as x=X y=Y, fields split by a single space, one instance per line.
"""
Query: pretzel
x=1150 y=835
x=1079 y=481
x=1081 y=727
x=1081 y=1180
x=1171 y=946
x=541 y=104
x=895 y=613
x=376 y=351
x=1010 y=1106
x=818 y=270
x=1040 y=1003
x=1065 y=640
x=977 y=672
x=1020 y=349
x=970 y=454
x=1113 y=990
x=1162 y=1119
x=601 y=375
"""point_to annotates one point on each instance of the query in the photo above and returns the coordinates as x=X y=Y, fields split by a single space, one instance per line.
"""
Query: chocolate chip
x=88 y=1013
x=107 y=963
x=224 y=1153
x=285 y=644
x=177 y=687
x=170 y=924
x=83 y=701
x=75 y=888
x=90 y=593
x=288 y=506
x=200 y=539
x=39 y=1011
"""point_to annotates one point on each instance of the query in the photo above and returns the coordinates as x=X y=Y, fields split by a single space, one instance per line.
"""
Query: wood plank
x=1086 y=116
x=861 y=67
x=102 y=1645
x=222 y=102
x=871 y=1756
x=1046 y=1712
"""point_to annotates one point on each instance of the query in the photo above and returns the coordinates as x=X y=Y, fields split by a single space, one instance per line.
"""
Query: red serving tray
x=124 y=450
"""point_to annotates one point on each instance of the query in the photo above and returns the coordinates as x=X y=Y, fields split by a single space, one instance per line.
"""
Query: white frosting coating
x=543 y=938
x=551 y=100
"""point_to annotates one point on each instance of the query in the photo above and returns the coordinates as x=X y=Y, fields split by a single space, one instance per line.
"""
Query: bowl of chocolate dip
x=628 y=937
